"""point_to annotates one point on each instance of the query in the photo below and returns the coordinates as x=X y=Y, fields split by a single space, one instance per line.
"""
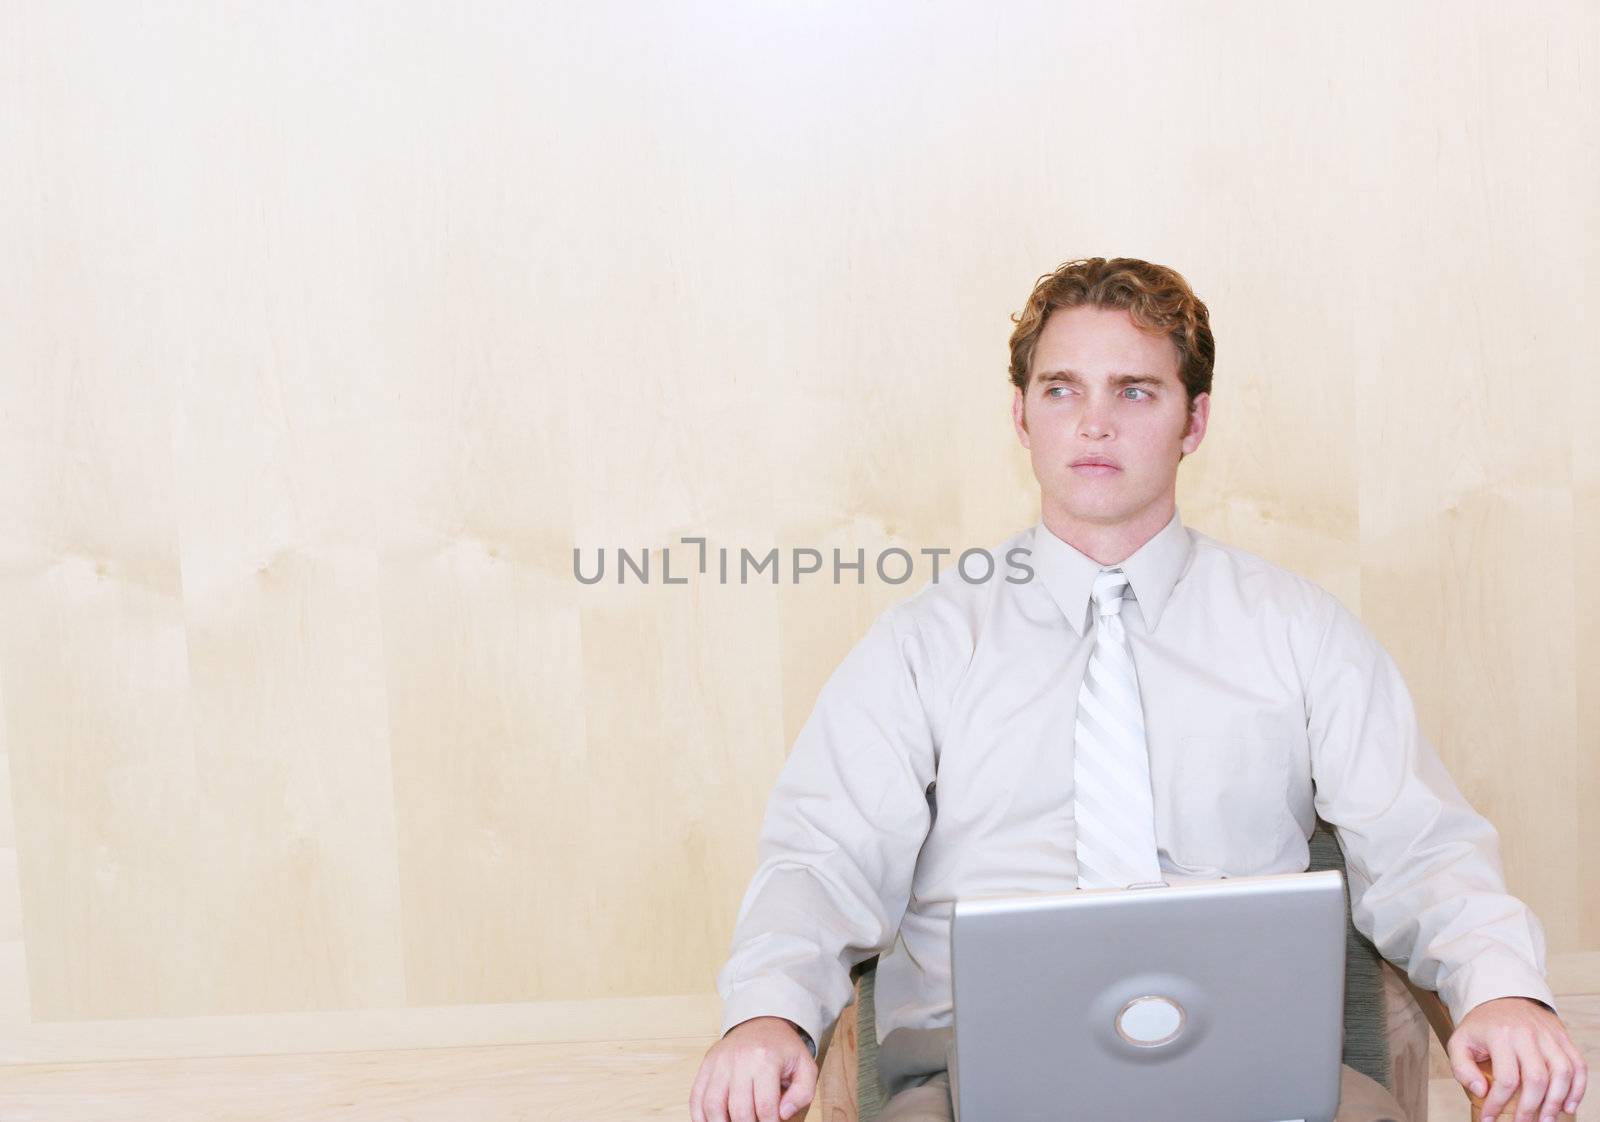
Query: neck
x=1111 y=543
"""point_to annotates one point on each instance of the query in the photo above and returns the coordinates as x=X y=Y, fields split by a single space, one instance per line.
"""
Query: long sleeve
x=840 y=837
x=1424 y=871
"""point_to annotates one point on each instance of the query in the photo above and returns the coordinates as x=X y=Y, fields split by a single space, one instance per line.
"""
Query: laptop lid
x=1216 y=1001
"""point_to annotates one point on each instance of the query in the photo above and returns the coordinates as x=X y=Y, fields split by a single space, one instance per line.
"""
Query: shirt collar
x=1153 y=571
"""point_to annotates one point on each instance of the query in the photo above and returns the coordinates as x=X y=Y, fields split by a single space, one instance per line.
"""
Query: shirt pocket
x=1227 y=811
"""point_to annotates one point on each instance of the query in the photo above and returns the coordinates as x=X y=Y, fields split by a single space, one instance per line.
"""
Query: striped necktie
x=1112 y=803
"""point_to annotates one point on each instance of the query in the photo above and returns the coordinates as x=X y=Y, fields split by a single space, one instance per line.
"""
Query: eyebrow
x=1116 y=379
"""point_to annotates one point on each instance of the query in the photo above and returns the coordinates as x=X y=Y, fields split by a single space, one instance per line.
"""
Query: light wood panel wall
x=328 y=332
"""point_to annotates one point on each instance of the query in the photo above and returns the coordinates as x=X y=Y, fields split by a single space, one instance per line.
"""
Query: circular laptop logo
x=1150 y=1021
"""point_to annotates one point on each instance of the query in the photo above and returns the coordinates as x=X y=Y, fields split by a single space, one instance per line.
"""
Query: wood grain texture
x=838 y=1076
x=327 y=335
x=625 y=1081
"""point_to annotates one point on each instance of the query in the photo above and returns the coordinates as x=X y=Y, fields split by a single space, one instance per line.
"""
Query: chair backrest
x=1366 y=1040
x=1366 y=1024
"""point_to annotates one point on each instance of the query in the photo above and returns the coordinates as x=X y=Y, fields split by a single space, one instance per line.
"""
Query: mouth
x=1093 y=466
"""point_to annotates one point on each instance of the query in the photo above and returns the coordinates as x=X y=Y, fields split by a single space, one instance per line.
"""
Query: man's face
x=1106 y=418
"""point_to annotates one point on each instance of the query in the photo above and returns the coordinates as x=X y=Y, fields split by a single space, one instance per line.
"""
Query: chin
x=1108 y=514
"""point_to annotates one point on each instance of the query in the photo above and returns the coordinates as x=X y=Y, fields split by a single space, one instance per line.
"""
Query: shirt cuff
x=775 y=996
x=1490 y=975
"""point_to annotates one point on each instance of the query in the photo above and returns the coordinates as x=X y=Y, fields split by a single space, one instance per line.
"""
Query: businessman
x=1151 y=704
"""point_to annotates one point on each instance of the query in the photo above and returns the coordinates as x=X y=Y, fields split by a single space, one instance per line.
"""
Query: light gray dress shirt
x=1266 y=703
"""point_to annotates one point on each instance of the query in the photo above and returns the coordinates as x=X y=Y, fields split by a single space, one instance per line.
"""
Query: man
x=955 y=750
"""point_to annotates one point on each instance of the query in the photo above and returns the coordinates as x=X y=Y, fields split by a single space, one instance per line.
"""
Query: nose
x=1094 y=423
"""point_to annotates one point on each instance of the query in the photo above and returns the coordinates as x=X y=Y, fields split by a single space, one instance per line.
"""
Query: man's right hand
x=761 y=1071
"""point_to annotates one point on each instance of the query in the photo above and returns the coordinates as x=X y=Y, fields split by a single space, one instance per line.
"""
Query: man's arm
x=840 y=838
x=838 y=846
x=1424 y=868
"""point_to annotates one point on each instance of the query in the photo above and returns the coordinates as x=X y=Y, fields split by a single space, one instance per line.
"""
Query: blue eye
x=1136 y=389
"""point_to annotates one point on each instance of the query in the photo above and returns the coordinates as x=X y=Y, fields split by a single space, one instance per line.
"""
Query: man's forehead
x=1100 y=344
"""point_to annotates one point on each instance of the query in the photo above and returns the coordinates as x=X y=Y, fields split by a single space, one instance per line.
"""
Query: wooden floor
x=616 y=1082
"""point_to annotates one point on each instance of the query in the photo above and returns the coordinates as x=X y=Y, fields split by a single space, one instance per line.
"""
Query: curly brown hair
x=1157 y=298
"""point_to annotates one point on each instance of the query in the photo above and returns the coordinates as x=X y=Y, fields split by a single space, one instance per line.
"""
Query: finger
x=1580 y=1078
x=1535 y=1076
x=801 y=1089
x=697 y=1112
x=1502 y=1079
x=1464 y=1066
x=717 y=1098
x=741 y=1098
x=765 y=1090
x=1555 y=1096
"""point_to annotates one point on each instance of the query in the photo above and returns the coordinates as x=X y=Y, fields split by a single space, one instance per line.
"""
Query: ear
x=1019 y=418
x=1199 y=417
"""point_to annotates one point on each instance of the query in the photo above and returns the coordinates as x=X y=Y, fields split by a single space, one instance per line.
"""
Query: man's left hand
x=1527 y=1047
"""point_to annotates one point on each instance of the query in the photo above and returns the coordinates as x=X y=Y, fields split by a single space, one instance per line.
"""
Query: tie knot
x=1109 y=587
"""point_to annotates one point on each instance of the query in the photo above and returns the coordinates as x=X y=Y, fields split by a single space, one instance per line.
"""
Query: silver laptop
x=1219 y=1001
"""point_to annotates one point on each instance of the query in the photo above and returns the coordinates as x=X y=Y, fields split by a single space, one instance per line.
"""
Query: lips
x=1093 y=466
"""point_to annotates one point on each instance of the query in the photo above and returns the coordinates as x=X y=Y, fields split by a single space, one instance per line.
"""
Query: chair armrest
x=837 y=1054
x=1433 y=1009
